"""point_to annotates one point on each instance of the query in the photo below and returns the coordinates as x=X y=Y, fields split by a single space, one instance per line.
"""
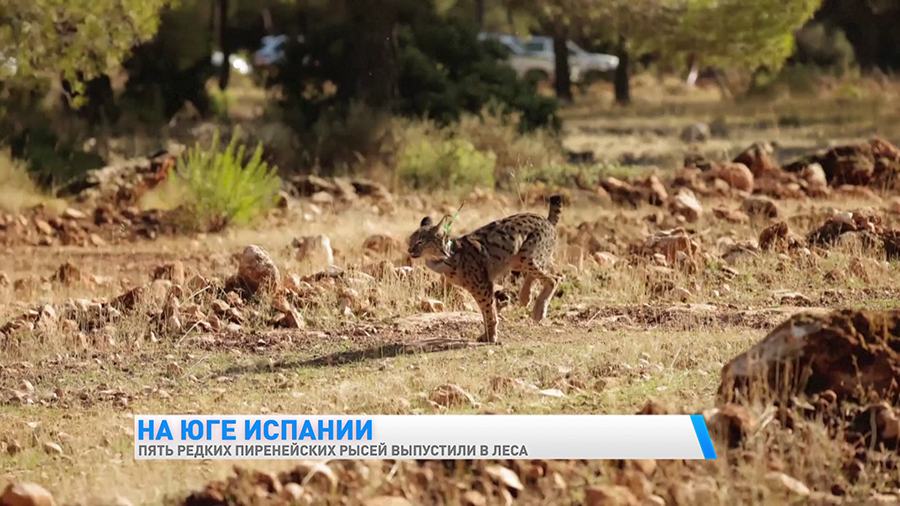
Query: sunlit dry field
x=631 y=329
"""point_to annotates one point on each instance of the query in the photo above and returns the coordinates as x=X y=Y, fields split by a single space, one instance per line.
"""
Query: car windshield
x=574 y=49
x=273 y=42
x=534 y=46
x=513 y=46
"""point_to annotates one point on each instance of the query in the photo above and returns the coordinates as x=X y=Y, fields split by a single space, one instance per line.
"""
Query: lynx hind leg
x=502 y=298
x=549 y=283
x=525 y=290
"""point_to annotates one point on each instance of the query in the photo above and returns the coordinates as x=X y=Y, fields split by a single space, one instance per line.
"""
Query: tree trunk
x=561 y=69
x=224 y=45
x=375 y=69
x=479 y=13
x=621 y=80
x=267 y=21
x=722 y=83
x=693 y=69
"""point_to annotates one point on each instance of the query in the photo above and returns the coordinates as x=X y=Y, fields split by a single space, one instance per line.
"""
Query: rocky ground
x=761 y=295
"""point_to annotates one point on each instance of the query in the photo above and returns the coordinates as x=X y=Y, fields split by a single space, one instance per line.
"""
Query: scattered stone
x=696 y=132
x=732 y=423
x=314 y=249
x=814 y=175
x=26 y=494
x=173 y=272
x=685 y=203
x=96 y=240
x=474 y=498
x=68 y=274
x=290 y=317
x=387 y=500
x=52 y=448
x=758 y=158
x=894 y=205
x=73 y=214
x=658 y=193
x=505 y=477
x=431 y=305
x=605 y=258
x=552 y=392
x=12 y=448
x=322 y=198
x=681 y=294
x=731 y=215
x=383 y=243
x=737 y=175
x=257 y=271
x=785 y=483
x=669 y=243
x=292 y=492
x=452 y=395
x=778 y=236
x=648 y=191
x=44 y=227
x=760 y=206
x=610 y=495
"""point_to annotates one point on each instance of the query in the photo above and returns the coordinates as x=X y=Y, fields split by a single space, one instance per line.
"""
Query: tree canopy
x=80 y=39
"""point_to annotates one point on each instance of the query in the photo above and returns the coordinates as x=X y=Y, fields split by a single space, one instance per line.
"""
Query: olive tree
x=741 y=34
x=79 y=39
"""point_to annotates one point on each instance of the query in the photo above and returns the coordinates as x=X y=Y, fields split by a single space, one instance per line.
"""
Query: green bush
x=796 y=80
x=516 y=151
x=823 y=46
x=443 y=73
x=220 y=189
x=446 y=164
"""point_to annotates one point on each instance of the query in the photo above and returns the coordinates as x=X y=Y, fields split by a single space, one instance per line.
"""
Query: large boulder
x=854 y=354
x=874 y=163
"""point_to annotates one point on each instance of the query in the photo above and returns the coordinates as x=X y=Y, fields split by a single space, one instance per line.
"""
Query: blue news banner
x=422 y=437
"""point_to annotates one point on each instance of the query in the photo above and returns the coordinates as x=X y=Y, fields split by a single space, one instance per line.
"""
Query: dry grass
x=17 y=190
x=648 y=131
x=611 y=343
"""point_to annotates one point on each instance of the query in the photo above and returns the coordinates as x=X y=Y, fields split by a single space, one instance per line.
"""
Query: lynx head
x=430 y=241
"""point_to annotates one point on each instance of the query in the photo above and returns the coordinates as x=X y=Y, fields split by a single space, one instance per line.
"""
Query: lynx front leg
x=488 y=306
x=482 y=289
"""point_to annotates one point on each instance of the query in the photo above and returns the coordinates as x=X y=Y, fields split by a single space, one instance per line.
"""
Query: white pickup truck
x=535 y=56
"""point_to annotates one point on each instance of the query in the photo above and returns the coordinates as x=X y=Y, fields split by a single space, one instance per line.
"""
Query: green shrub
x=515 y=151
x=823 y=46
x=446 y=164
x=219 y=189
x=443 y=74
x=792 y=80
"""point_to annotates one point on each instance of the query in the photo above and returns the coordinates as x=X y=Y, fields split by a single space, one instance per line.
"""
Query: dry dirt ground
x=642 y=323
